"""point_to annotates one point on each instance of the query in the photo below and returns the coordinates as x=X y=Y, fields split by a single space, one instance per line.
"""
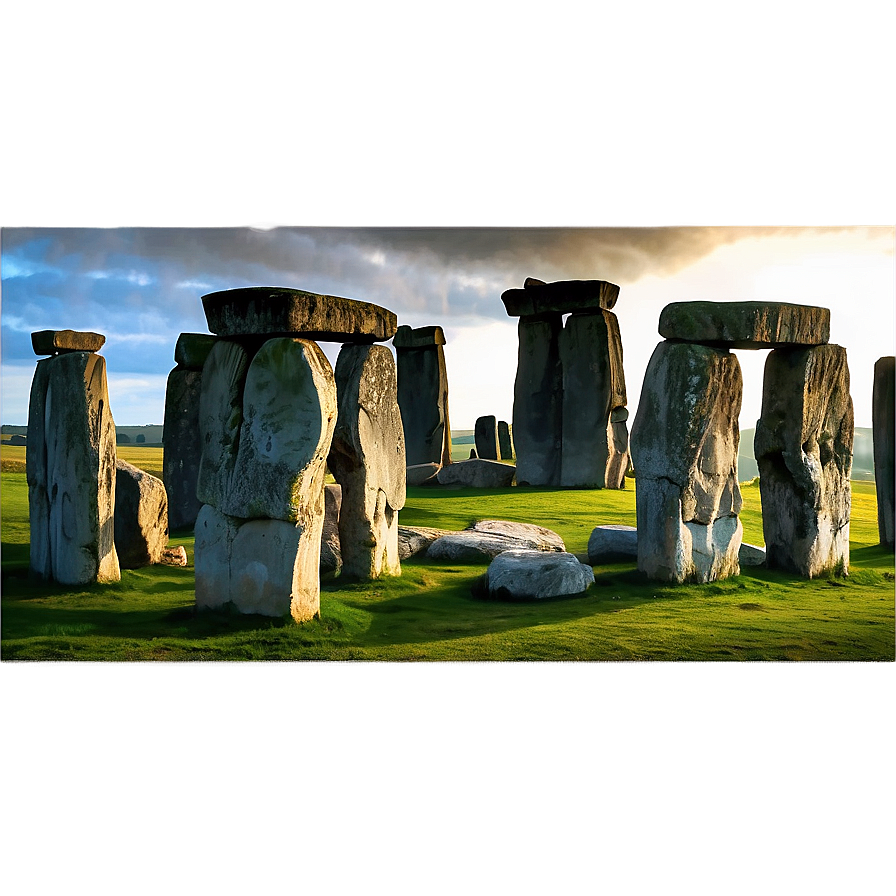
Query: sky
x=732 y=122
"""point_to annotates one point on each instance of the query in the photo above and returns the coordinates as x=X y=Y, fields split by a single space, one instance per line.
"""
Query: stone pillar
x=367 y=459
x=423 y=394
x=485 y=435
x=882 y=421
x=684 y=445
x=70 y=462
x=595 y=433
x=180 y=434
x=505 y=440
x=803 y=447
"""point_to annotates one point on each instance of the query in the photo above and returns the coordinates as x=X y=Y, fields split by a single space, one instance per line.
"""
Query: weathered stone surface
x=17 y=440
x=52 y=342
x=174 y=556
x=684 y=446
x=262 y=310
x=182 y=447
x=215 y=533
x=485 y=434
x=220 y=419
x=422 y=474
x=488 y=538
x=477 y=473
x=803 y=447
x=192 y=350
x=141 y=516
x=882 y=419
x=505 y=441
x=421 y=337
x=330 y=551
x=288 y=418
x=538 y=402
x=368 y=460
x=534 y=575
x=36 y=474
x=561 y=296
x=750 y=325
x=751 y=555
x=416 y=539
x=611 y=543
x=423 y=400
x=80 y=456
x=593 y=388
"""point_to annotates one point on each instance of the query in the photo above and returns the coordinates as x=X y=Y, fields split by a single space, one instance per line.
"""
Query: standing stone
x=79 y=436
x=595 y=436
x=485 y=435
x=538 y=401
x=367 y=459
x=36 y=474
x=141 y=517
x=423 y=394
x=882 y=420
x=330 y=552
x=803 y=446
x=182 y=450
x=505 y=440
x=684 y=446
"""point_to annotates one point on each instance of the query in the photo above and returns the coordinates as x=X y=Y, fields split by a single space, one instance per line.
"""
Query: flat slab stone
x=416 y=539
x=421 y=474
x=612 y=543
x=751 y=325
x=51 y=342
x=274 y=310
x=488 y=538
x=563 y=296
x=421 y=337
x=477 y=473
x=534 y=575
x=191 y=349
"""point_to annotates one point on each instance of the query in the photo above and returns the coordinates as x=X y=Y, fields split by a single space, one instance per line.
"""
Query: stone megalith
x=367 y=458
x=684 y=446
x=882 y=414
x=141 y=517
x=803 y=448
x=485 y=435
x=505 y=440
x=70 y=463
x=180 y=433
x=423 y=394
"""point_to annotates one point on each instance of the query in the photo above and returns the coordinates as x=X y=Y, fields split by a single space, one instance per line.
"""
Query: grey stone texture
x=263 y=310
x=423 y=394
x=505 y=440
x=477 y=473
x=368 y=460
x=803 y=447
x=414 y=540
x=182 y=447
x=612 y=543
x=330 y=551
x=534 y=575
x=488 y=538
x=751 y=555
x=422 y=474
x=141 y=517
x=594 y=447
x=70 y=469
x=485 y=434
x=684 y=447
x=192 y=350
x=538 y=401
x=749 y=325
x=52 y=342
x=561 y=296
x=883 y=425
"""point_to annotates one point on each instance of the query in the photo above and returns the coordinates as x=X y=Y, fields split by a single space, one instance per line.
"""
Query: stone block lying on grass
x=477 y=473
x=422 y=474
x=416 y=539
x=535 y=575
x=609 y=544
x=488 y=538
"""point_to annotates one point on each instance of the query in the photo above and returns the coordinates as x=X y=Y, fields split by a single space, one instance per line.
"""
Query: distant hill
x=149 y=435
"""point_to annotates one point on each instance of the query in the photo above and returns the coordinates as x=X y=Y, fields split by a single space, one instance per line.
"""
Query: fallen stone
x=288 y=416
x=751 y=555
x=803 y=447
x=182 y=447
x=684 y=447
x=141 y=517
x=750 y=325
x=52 y=342
x=561 y=296
x=421 y=337
x=330 y=552
x=485 y=434
x=192 y=349
x=174 y=556
x=422 y=474
x=882 y=420
x=612 y=543
x=18 y=441
x=423 y=397
x=477 y=473
x=488 y=538
x=263 y=310
x=505 y=440
x=367 y=459
x=416 y=539
x=534 y=575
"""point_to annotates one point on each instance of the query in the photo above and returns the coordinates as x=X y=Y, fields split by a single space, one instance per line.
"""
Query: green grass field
x=429 y=613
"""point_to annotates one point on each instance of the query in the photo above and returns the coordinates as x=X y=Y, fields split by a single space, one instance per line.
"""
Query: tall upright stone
x=423 y=394
x=882 y=421
x=141 y=517
x=368 y=460
x=485 y=435
x=684 y=446
x=803 y=447
x=505 y=440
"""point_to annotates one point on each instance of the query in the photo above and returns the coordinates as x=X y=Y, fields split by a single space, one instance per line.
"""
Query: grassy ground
x=428 y=613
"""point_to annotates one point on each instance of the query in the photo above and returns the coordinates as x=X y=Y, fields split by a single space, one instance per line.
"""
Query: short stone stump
x=535 y=575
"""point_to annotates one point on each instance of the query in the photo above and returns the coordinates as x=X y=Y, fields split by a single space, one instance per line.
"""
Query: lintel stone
x=51 y=342
x=421 y=337
x=192 y=349
x=562 y=296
